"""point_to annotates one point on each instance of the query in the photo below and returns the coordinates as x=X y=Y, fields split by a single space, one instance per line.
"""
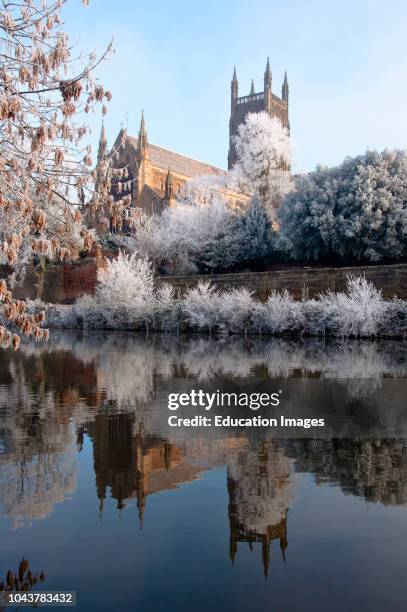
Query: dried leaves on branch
x=46 y=177
x=22 y=581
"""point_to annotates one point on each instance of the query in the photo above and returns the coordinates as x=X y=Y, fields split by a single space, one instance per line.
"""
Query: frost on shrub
x=201 y=307
x=56 y=315
x=88 y=313
x=125 y=281
x=394 y=321
x=314 y=318
x=206 y=309
x=167 y=311
x=235 y=310
x=359 y=311
x=280 y=314
x=188 y=238
x=124 y=296
x=194 y=239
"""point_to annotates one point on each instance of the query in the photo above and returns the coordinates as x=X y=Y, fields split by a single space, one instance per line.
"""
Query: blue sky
x=346 y=64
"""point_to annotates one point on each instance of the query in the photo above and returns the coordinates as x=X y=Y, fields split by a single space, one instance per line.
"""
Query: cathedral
x=158 y=175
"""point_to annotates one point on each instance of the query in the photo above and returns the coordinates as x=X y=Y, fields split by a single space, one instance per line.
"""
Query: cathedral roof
x=180 y=164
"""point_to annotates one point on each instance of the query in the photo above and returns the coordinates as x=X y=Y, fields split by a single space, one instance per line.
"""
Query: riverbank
x=360 y=311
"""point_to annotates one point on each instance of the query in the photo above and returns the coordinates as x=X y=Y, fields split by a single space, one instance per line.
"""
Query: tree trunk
x=41 y=278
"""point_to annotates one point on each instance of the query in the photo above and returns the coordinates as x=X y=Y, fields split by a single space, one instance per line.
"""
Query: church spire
x=252 y=92
x=267 y=76
x=102 y=143
x=285 y=88
x=142 y=135
x=234 y=87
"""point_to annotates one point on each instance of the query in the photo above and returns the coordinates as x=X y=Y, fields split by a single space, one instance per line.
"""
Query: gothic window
x=156 y=207
x=178 y=189
x=162 y=185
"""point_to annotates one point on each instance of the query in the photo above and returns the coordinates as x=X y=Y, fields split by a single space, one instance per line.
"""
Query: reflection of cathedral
x=133 y=463
x=259 y=498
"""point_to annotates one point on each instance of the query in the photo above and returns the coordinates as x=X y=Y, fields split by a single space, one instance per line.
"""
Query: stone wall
x=391 y=279
x=61 y=283
x=64 y=283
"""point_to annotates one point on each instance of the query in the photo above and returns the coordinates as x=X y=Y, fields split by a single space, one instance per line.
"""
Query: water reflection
x=111 y=390
x=373 y=469
x=260 y=492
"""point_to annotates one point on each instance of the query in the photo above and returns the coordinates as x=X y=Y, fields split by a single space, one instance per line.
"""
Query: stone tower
x=255 y=103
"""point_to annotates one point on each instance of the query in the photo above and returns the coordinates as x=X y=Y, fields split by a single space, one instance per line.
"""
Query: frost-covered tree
x=209 y=238
x=356 y=211
x=190 y=238
x=263 y=159
x=202 y=189
x=257 y=233
x=45 y=166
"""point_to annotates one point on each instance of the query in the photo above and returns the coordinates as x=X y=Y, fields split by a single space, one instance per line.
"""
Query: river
x=100 y=493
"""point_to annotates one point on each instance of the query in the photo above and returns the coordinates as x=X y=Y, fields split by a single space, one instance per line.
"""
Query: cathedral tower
x=255 y=103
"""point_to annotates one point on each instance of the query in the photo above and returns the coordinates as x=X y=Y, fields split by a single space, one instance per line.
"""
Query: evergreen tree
x=257 y=231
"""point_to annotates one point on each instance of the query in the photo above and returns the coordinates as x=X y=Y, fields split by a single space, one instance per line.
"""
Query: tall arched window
x=156 y=207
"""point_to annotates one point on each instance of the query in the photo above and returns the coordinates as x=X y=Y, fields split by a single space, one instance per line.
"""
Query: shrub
x=359 y=311
x=200 y=239
x=280 y=314
x=167 y=310
x=201 y=307
x=235 y=310
x=394 y=321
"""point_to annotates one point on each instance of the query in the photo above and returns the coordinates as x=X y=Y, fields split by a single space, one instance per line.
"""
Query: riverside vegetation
x=127 y=297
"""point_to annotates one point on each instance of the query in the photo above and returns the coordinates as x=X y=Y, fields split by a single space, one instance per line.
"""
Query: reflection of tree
x=21 y=581
x=260 y=493
x=30 y=486
x=126 y=365
x=37 y=462
x=373 y=469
